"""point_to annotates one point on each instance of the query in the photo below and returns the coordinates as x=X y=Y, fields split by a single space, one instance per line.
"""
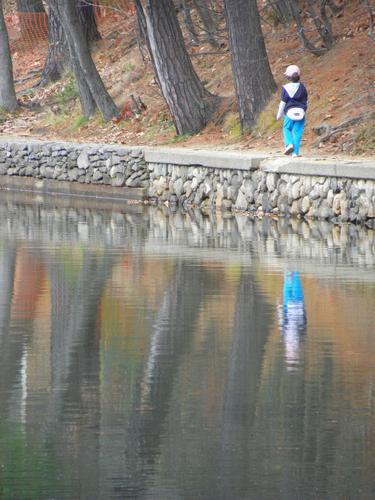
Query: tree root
x=331 y=131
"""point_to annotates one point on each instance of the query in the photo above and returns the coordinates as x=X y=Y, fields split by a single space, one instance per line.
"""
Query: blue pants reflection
x=293 y=320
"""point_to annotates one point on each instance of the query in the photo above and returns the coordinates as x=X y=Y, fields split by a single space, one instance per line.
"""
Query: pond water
x=148 y=354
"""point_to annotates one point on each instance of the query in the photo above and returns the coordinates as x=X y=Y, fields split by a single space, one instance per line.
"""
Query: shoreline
x=337 y=189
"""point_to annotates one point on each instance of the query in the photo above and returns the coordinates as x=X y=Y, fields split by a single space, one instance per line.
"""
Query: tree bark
x=86 y=98
x=8 y=99
x=58 y=51
x=371 y=16
x=301 y=30
x=322 y=25
x=208 y=20
x=83 y=65
x=141 y=19
x=254 y=83
x=281 y=9
x=88 y=21
x=335 y=9
x=190 y=104
x=30 y=6
x=189 y=25
x=142 y=28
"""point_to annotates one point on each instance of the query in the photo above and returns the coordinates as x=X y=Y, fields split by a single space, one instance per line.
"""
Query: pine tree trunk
x=88 y=21
x=188 y=21
x=203 y=9
x=301 y=30
x=142 y=28
x=254 y=83
x=80 y=51
x=8 y=99
x=323 y=25
x=30 y=6
x=58 y=52
x=190 y=104
x=141 y=19
x=282 y=10
x=86 y=98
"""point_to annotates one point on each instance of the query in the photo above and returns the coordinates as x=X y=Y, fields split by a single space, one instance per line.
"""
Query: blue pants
x=293 y=133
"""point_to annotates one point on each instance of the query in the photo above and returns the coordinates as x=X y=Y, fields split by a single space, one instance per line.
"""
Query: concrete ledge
x=327 y=168
x=78 y=146
x=50 y=186
x=203 y=158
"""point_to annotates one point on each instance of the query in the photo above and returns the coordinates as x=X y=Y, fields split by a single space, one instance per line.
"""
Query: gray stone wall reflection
x=169 y=232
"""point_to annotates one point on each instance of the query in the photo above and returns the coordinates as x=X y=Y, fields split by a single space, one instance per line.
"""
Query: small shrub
x=181 y=138
x=165 y=123
x=365 y=138
x=79 y=122
x=127 y=67
x=3 y=115
x=266 y=123
x=232 y=125
x=54 y=120
x=68 y=92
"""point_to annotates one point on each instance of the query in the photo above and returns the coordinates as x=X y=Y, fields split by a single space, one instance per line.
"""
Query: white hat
x=292 y=70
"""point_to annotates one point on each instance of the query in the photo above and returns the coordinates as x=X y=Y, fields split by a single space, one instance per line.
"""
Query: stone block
x=266 y=203
x=271 y=182
x=227 y=204
x=295 y=208
x=187 y=188
x=117 y=170
x=241 y=202
x=330 y=197
x=295 y=191
x=73 y=174
x=161 y=185
x=232 y=193
x=326 y=213
x=178 y=187
x=207 y=188
x=305 y=204
x=29 y=171
x=371 y=211
x=83 y=161
x=97 y=175
x=236 y=180
x=118 y=180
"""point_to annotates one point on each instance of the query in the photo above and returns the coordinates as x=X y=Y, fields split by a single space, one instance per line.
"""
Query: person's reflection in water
x=292 y=319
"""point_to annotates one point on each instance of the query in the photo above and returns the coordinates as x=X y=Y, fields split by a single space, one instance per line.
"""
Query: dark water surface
x=147 y=354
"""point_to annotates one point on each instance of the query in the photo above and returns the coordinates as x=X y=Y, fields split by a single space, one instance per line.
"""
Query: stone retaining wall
x=90 y=164
x=260 y=192
x=341 y=191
